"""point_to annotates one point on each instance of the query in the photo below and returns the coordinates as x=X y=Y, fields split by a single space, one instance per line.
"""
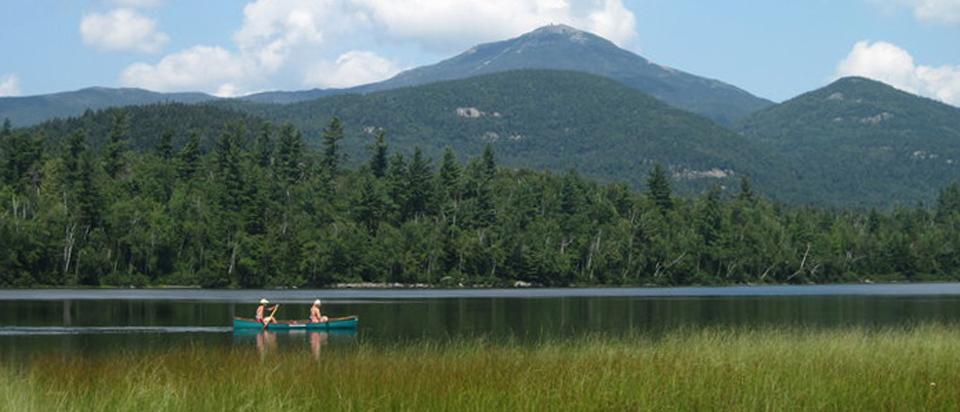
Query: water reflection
x=85 y=325
x=317 y=340
x=266 y=342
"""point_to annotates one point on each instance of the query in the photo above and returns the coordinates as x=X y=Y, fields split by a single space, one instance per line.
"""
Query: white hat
x=316 y=302
x=264 y=301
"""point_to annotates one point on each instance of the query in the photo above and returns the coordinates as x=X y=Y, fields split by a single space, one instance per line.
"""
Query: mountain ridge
x=869 y=140
x=561 y=47
x=28 y=110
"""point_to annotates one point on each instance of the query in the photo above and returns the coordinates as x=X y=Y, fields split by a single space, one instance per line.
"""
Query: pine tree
x=289 y=155
x=189 y=158
x=332 y=156
x=450 y=176
x=19 y=155
x=948 y=202
x=229 y=170
x=165 y=147
x=263 y=149
x=746 y=191
x=76 y=146
x=89 y=203
x=378 y=160
x=6 y=149
x=489 y=164
x=397 y=184
x=419 y=186
x=658 y=188
x=711 y=219
x=368 y=208
x=114 y=161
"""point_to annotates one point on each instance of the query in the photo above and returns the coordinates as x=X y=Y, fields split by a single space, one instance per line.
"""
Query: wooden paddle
x=271 y=318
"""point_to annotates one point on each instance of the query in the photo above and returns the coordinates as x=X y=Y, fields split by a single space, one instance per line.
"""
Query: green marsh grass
x=914 y=368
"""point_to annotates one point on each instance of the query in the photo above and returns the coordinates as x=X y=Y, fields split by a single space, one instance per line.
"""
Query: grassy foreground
x=904 y=369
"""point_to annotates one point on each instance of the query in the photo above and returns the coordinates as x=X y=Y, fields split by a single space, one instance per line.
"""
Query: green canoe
x=347 y=322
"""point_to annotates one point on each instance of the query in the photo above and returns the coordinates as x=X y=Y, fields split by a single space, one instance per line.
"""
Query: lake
x=91 y=322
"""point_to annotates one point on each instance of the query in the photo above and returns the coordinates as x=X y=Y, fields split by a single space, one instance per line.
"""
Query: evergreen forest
x=251 y=205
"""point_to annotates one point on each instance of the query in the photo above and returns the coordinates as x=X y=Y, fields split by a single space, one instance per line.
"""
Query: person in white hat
x=261 y=311
x=315 y=315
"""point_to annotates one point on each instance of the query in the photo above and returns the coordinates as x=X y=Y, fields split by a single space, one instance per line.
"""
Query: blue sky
x=774 y=49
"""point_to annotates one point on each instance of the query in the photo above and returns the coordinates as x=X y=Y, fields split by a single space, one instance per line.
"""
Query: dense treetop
x=270 y=210
x=858 y=142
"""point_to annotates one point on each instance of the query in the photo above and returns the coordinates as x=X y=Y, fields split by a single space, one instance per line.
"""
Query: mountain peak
x=855 y=81
x=555 y=29
x=562 y=32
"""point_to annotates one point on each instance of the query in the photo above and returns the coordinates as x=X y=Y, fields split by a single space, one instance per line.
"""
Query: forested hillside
x=273 y=211
x=544 y=120
x=29 y=110
x=858 y=142
x=561 y=47
x=146 y=125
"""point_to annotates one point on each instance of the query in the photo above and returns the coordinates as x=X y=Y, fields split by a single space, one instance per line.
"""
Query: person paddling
x=315 y=315
x=261 y=311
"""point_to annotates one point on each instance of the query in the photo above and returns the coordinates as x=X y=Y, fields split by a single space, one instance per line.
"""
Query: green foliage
x=658 y=188
x=114 y=161
x=537 y=119
x=906 y=368
x=228 y=218
x=861 y=143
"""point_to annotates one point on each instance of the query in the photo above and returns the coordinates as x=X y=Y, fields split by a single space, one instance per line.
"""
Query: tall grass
x=790 y=369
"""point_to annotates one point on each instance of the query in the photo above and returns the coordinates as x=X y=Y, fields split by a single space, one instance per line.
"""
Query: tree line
x=272 y=211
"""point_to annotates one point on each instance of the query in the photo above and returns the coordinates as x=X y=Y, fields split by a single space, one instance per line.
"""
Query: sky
x=775 y=49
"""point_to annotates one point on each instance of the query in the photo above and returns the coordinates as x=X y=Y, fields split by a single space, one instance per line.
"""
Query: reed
x=787 y=369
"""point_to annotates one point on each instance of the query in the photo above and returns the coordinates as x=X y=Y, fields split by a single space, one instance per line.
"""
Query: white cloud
x=121 y=30
x=315 y=41
x=941 y=11
x=351 y=68
x=461 y=23
x=9 y=85
x=933 y=11
x=895 y=66
x=205 y=68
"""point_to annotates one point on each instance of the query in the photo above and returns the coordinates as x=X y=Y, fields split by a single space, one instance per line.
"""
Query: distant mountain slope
x=565 y=48
x=285 y=97
x=30 y=110
x=540 y=119
x=148 y=123
x=861 y=142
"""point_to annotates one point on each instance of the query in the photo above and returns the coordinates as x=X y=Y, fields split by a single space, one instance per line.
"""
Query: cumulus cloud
x=895 y=66
x=207 y=68
x=351 y=68
x=942 y=11
x=9 y=85
x=122 y=30
x=934 y=11
x=311 y=40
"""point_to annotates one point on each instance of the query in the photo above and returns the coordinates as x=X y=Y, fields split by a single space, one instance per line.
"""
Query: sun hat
x=316 y=302
x=264 y=301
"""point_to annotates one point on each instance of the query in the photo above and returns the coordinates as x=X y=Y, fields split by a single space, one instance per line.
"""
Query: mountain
x=29 y=110
x=285 y=97
x=148 y=123
x=540 y=119
x=562 y=47
x=863 y=143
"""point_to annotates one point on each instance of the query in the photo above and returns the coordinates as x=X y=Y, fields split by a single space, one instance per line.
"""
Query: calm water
x=102 y=321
